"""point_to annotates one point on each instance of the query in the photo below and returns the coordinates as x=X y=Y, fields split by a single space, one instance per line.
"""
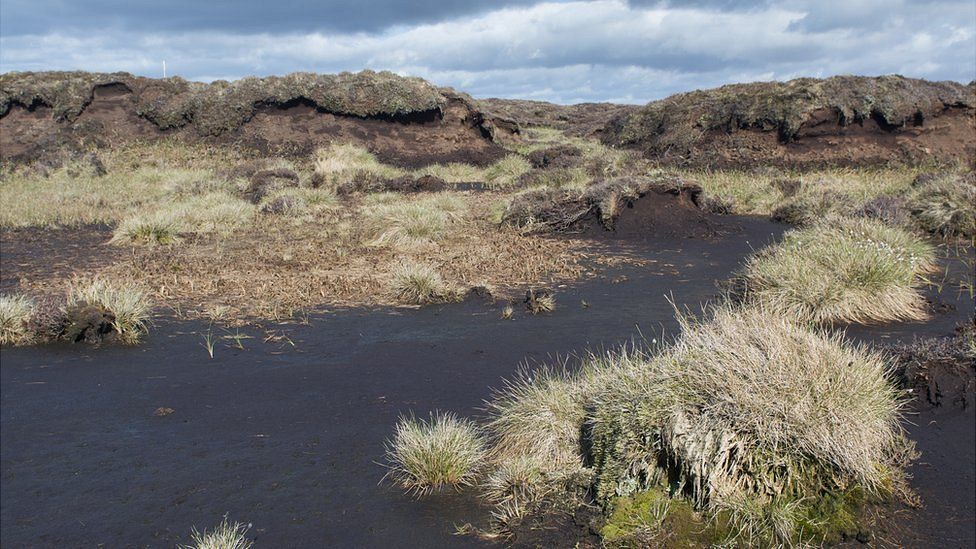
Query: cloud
x=237 y=16
x=557 y=51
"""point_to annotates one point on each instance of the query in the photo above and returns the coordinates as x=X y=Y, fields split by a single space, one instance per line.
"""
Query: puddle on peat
x=287 y=437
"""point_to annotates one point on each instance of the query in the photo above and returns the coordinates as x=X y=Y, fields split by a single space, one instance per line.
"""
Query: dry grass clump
x=596 y=160
x=16 y=312
x=842 y=270
x=760 y=192
x=453 y=172
x=506 y=172
x=806 y=209
x=558 y=178
x=751 y=408
x=946 y=205
x=339 y=163
x=427 y=455
x=129 y=304
x=540 y=301
x=516 y=481
x=154 y=227
x=420 y=284
x=139 y=178
x=537 y=449
x=218 y=213
x=540 y=415
x=398 y=222
x=226 y=535
x=299 y=200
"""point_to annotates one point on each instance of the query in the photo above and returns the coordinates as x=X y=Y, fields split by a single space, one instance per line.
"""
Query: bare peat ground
x=37 y=253
x=286 y=432
x=286 y=436
x=945 y=475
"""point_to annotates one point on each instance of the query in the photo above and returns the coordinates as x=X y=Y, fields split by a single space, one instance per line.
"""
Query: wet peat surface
x=286 y=434
x=944 y=477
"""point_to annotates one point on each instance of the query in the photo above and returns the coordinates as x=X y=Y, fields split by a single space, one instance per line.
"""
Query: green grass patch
x=654 y=519
x=339 y=163
x=505 y=172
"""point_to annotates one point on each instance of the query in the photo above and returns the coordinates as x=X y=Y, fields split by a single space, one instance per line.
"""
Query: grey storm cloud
x=42 y=16
x=564 y=51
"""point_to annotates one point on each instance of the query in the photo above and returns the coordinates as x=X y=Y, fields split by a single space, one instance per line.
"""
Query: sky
x=562 y=51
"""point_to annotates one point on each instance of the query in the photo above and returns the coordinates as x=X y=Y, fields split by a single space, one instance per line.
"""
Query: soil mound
x=583 y=119
x=939 y=371
x=806 y=122
x=265 y=182
x=403 y=120
x=622 y=207
x=365 y=182
x=560 y=156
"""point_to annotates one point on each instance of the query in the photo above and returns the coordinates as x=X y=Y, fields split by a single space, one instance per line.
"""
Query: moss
x=653 y=518
x=833 y=517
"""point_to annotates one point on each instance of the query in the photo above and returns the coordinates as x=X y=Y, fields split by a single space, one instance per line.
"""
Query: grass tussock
x=129 y=304
x=226 y=535
x=558 y=178
x=427 y=455
x=298 y=201
x=761 y=417
x=397 y=222
x=771 y=430
x=842 y=271
x=211 y=213
x=339 y=163
x=539 y=415
x=760 y=192
x=946 y=205
x=516 y=482
x=505 y=172
x=420 y=284
x=453 y=172
x=15 y=316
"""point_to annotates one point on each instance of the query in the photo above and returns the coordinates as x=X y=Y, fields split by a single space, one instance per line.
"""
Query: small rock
x=480 y=292
x=542 y=300
x=87 y=322
x=560 y=156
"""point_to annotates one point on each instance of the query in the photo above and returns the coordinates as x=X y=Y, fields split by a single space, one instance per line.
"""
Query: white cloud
x=566 y=52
